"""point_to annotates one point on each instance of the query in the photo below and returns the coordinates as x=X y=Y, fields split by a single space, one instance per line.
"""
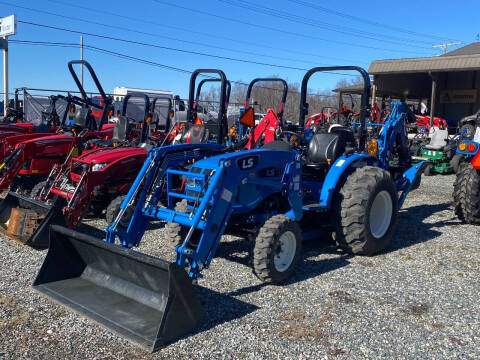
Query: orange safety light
x=198 y=121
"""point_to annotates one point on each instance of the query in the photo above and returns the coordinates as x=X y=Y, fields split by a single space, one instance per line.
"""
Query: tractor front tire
x=176 y=233
x=277 y=250
x=114 y=208
x=365 y=211
x=466 y=194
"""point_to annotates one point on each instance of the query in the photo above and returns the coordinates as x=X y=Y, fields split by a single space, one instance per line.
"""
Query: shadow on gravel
x=411 y=228
x=220 y=308
x=239 y=250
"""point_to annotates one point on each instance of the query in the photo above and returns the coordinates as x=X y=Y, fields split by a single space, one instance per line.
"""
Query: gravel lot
x=418 y=299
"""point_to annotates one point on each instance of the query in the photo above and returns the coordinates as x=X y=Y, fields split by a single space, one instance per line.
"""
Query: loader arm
x=220 y=186
x=149 y=184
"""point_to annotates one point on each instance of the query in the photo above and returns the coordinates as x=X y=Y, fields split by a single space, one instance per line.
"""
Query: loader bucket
x=148 y=301
x=27 y=220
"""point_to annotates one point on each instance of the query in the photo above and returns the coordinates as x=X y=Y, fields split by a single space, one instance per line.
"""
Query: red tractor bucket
x=27 y=220
x=148 y=301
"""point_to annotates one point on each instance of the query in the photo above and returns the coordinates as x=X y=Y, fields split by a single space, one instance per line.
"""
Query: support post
x=432 y=100
x=374 y=94
x=5 y=77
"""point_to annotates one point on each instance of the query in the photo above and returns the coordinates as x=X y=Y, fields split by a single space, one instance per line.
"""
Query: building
x=119 y=92
x=450 y=82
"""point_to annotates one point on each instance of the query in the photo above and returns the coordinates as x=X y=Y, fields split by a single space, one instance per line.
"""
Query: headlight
x=98 y=167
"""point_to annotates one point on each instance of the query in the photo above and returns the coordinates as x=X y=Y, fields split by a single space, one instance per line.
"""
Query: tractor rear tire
x=33 y=194
x=455 y=162
x=365 y=211
x=469 y=131
x=176 y=233
x=428 y=170
x=277 y=250
x=37 y=189
x=466 y=194
x=114 y=208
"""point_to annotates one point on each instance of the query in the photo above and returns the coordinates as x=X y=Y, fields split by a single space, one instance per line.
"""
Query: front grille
x=78 y=167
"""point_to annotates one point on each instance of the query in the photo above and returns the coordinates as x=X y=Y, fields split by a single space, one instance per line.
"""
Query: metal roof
x=422 y=65
x=470 y=49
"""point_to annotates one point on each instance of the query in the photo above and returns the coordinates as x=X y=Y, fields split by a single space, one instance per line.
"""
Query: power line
x=215 y=36
x=322 y=25
x=174 y=49
x=162 y=36
x=196 y=11
x=363 y=20
x=138 y=60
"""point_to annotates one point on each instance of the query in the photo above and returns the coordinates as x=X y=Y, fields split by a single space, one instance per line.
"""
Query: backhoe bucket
x=27 y=220
x=148 y=301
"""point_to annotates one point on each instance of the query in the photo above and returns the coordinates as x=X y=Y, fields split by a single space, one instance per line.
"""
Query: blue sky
x=334 y=33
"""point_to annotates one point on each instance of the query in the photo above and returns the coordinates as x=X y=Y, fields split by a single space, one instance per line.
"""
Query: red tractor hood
x=110 y=155
x=49 y=139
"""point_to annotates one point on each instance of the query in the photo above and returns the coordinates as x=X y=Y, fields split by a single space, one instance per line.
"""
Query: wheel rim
x=381 y=214
x=286 y=251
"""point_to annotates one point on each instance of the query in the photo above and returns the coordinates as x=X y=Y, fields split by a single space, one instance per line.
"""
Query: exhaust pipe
x=146 y=300
x=27 y=220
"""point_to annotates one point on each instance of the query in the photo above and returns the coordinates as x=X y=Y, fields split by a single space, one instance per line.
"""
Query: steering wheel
x=283 y=136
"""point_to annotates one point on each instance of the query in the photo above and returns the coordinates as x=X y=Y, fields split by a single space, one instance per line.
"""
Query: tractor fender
x=339 y=168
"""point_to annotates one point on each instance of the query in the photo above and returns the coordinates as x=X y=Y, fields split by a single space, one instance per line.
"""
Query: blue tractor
x=276 y=194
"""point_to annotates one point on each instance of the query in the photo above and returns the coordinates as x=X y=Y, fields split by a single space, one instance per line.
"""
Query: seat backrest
x=346 y=132
x=265 y=131
x=325 y=148
x=120 y=130
x=438 y=138
x=197 y=133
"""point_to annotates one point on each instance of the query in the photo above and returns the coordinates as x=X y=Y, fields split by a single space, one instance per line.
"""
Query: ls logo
x=247 y=163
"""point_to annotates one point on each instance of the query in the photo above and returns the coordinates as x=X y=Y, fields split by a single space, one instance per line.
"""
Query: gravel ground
x=418 y=299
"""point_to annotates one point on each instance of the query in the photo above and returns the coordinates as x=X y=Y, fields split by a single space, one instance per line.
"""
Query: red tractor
x=466 y=189
x=32 y=160
x=97 y=178
x=12 y=134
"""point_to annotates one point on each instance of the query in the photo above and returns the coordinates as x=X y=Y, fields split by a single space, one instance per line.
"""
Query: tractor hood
x=111 y=154
x=49 y=139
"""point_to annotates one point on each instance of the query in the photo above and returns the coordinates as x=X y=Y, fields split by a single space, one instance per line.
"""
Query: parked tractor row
x=275 y=183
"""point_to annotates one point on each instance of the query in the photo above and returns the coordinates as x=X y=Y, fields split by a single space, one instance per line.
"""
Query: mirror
x=248 y=117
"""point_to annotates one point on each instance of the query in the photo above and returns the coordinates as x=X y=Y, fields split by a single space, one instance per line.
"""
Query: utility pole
x=81 y=57
x=8 y=27
x=5 y=76
x=445 y=46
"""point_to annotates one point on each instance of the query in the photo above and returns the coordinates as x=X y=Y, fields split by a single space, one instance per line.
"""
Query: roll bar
x=192 y=111
x=200 y=85
x=170 y=107
x=106 y=100
x=284 y=94
x=146 y=112
x=364 y=103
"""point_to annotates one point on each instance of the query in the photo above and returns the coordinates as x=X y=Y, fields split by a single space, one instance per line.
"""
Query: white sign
x=8 y=25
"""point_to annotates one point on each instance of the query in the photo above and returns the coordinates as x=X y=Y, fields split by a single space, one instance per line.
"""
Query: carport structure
x=450 y=81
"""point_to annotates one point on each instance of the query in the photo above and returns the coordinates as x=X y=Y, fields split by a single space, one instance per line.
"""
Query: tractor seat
x=277 y=145
x=438 y=139
x=120 y=130
x=326 y=148
x=197 y=133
